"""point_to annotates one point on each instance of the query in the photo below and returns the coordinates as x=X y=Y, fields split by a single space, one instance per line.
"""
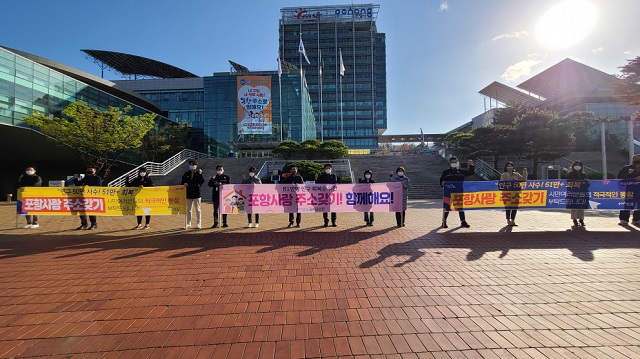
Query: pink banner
x=310 y=198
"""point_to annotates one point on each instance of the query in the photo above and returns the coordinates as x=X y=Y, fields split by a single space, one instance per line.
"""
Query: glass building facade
x=351 y=108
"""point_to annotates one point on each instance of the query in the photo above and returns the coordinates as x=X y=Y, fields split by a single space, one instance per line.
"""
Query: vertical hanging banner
x=254 y=105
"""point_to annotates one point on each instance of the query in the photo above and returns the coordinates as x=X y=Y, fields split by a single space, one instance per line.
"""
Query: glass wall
x=182 y=106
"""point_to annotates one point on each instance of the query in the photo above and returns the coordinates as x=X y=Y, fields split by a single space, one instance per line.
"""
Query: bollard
x=9 y=196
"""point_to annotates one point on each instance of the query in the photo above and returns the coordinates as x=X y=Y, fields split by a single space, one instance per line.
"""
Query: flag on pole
x=341 y=64
x=301 y=50
x=321 y=62
x=421 y=135
x=279 y=68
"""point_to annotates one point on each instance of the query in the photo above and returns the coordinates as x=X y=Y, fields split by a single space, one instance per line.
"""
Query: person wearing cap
x=90 y=179
x=328 y=178
x=30 y=179
x=368 y=178
x=142 y=180
x=254 y=180
x=193 y=180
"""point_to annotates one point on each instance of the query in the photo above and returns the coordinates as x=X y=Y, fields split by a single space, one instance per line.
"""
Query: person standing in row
x=510 y=174
x=193 y=180
x=294 y=178
x=328 y=178
x=90 y=179
x=30 y=179
x=455 y=174
x=406 y=184
x=576 y=173
x=630 y=171
x=252 y=179
x=368 y=178
x=215 y=182
x=141 y=181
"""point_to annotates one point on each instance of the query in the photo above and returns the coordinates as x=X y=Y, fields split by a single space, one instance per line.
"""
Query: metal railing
x=160 y=169
x=341 y=167
x=485 y=170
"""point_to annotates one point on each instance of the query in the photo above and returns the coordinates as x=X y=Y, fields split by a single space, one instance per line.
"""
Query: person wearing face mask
x=368 y=178
x=142 y=180
x=215 y=182
x=328 y=178
x=90 y=179
x=455 y=174
x=406 y=184
x=576 y=173
x=252 y=179
x=510 y=174
x=193 y=180
x=631 y=171
x=294 y=178
x=30 y=179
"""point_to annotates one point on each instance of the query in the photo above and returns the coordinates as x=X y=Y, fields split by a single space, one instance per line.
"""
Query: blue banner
x=619 y=194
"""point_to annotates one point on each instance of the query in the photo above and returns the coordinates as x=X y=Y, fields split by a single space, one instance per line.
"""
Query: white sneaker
x=249 y=225
x=623 y=223
x=199 y=226
x=35 y=225
x=186 y=227
x=257 y=225
x=28 y=226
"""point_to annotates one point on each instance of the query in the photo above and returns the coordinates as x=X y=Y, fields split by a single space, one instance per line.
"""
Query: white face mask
x=455 y=165
x=367 y=176
x=509 y=168
x=30 y=172
x=251 y=174
x=327 y=171
x=142 y=174
x=577 y=168
x=219 y=172
x=192 y=167
x=401 y=174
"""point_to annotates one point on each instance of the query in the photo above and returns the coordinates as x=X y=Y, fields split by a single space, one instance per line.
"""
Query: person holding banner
x=368 y=216
x=328 y=178
x=253 y=179
x=90 y=179
x=632 y=172
x=294 y=178
x=510 y=175
x=30 y=179
x=406 y=184
x=577 y=192
x=455 y=174
x=193 y=180
x=142 y=180
x=215 y=182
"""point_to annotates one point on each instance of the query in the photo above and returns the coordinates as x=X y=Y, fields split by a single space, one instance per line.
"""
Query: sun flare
x=566 y=24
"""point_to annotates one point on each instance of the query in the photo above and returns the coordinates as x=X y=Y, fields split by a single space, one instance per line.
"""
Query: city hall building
x=346 y=72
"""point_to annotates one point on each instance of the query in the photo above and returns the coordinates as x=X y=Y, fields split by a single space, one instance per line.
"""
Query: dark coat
x=29 y=181
x=252 y=180
x=364 y=180
x=624 y=171
x=293 y=179
x=88 y=180
x=328 y=179
x=194 y=180
x=215 y=182
x=456 y=174
x=577 y=175
x=140 y=181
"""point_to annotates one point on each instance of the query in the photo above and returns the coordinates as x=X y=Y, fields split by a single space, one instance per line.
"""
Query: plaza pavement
x=539 y=290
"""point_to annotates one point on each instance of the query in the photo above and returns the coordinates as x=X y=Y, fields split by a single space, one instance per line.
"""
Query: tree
x=287 y=149
x=493 y=141
x=163 y=141
x=628 y=89
x=98 y=137
x=546 y=136
x=307 y=169
x=507 y=115
x=333 y=149
x=311 y=148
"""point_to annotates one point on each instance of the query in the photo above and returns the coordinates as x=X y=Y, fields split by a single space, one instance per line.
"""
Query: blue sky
x=439 y=53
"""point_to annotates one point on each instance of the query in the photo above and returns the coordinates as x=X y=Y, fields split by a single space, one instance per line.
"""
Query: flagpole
x=321 y=72
x=280 y=91
x=341 y=102
x=301 y=82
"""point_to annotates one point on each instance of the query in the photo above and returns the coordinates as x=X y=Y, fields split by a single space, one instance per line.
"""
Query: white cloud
x=597 y=50
x=521 y=69
x=577 y=59
x=511 y=35
x=628 y=52
x=444 y=6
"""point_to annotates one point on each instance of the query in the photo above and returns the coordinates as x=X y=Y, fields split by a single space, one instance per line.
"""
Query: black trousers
x=400 y=217
x=31 y=219
x=147 y=219
x=334 y=216
x=511 y=213
x=625 y=214
x=298 y=217
x=257 y=217
x=216 y=210
x=92 y=219
x=368 y=217
x=460 y=213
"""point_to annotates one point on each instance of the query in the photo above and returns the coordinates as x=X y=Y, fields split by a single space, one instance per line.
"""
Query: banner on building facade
x=102 y=201
x=254 y=105
x=542 y=194
x=311 y=198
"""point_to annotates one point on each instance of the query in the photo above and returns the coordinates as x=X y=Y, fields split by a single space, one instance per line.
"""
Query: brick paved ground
x=543 y=290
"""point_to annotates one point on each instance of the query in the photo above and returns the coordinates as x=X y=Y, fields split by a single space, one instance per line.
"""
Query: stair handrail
x=268 y=166
x=160 y=169
x=485 y=170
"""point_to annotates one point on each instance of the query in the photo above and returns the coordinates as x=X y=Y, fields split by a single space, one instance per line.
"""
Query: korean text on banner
x=254 y=105
x=542 y=194
x=311 y=198
x=102 y=201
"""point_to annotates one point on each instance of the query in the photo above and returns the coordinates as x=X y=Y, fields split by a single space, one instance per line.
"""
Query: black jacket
x=577 y=175
x=215 y=182
x=364 y=180
x=456 y=174
x=327 y=179
x=26 y=180
x=624 y=171
x=88 y=180
x=291 y=179
x=194 y=181
x=139 y=181
x=252 y=180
